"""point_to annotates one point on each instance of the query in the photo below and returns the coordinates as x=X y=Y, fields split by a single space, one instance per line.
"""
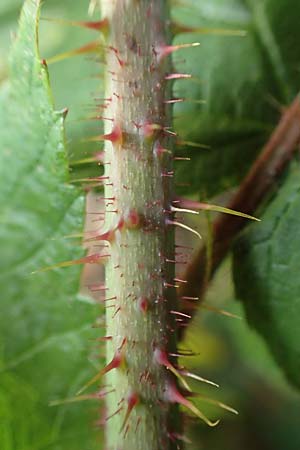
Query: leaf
x=266 y=274
x=72 y=88
x=44 y=324
x=241 y=79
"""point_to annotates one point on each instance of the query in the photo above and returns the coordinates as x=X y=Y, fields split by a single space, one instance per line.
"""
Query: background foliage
x=45 y=325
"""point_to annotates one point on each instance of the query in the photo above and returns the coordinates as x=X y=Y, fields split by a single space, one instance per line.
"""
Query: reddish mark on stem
x=132 y=218
x=143 y=304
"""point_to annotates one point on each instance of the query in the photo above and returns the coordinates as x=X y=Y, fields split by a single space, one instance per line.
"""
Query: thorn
x=115 y=363
x=97 y=288
x=182 y=225
x=182 y=210
x=116 y=312
x=161 y=358
x=88 y=48
x=178 y=28
x=198 y=378
x=177 y=76
x=91 y=259
x=181 y=158
x=217 y=403
x=179 y=280
x=98 y=157
x=166 y=50
x=97 y=396
x=178 y=313
x=182 y=142
x=103 y=339
x=219 y=311
x=99 y=179
x=132 y=401
x=115 y=137
x=174 y=396
x=107 y=236
x=173 y=101
x=100 y=25
x=114 y=414
x=208 y=207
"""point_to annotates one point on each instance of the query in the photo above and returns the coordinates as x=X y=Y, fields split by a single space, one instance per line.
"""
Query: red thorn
x=121 y=224
x=116 y=135
x=114 y=364
x=165 y=50
x=161 y=357
x=91 y=259
x=107 y=236
x=100 y=25
x=88 y=48
x=132 y=401
x=173 y=395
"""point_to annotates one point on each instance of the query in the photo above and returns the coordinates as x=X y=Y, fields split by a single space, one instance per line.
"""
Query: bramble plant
x=137 y=162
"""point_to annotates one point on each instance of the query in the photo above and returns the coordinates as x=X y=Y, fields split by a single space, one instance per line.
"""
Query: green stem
x=139 y=276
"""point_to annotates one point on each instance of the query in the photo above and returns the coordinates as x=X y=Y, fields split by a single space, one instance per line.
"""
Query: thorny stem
x=140 y=413
x=261 y=177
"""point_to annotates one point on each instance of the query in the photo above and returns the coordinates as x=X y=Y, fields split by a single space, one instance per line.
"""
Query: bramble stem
x=139 y=278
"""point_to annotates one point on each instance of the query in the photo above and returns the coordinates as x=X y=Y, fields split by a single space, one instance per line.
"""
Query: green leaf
x=44 y=324
x=241 y=79
x=266 y=274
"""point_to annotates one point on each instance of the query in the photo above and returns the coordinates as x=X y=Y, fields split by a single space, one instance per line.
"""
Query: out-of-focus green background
x=228 y=351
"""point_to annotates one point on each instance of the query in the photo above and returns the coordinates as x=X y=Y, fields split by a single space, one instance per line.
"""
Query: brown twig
x=265 y=170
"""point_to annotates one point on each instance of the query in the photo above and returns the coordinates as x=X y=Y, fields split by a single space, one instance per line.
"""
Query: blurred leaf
x=266 y=273
x=240 y=78
x=75 y=89
x=44 y=325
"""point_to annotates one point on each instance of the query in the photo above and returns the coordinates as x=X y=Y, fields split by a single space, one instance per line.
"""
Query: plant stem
x=138 y=277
